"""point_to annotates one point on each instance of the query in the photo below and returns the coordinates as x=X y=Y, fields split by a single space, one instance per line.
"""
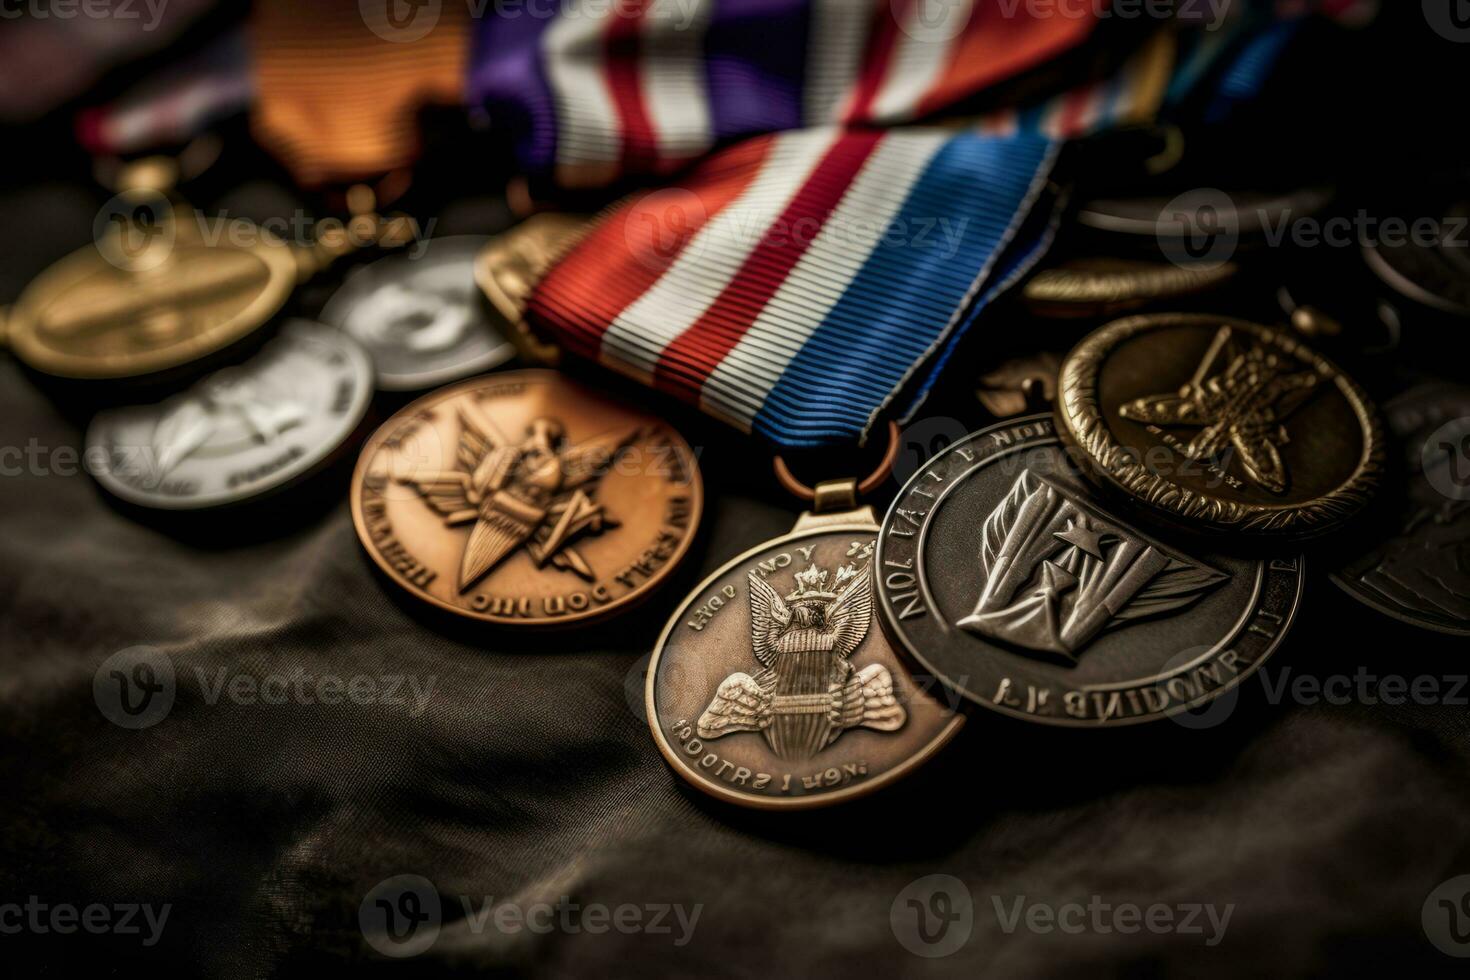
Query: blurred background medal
x=153 y=292
x=1214 y=424
x=1101 y=286
x=1419 y=572
x=512 y=263
x=420 y=316
x=242 y=431
x=1429 y=264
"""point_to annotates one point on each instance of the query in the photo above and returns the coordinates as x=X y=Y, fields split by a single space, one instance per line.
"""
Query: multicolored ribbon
x=604 y=90
x=175 y=104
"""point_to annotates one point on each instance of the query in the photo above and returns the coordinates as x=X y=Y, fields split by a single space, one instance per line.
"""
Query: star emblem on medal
x=534 y=494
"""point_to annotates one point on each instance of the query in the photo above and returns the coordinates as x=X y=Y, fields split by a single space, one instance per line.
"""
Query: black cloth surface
x=530 y=775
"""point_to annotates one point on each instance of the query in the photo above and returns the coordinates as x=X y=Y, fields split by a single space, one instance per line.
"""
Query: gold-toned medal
x=157 y=291
x=1220 y=424
x=146 y=299
x=524 y=499
x=511 y=265
x=773 y=687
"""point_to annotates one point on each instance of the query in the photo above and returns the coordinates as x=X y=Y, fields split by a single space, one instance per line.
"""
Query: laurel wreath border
x=1082 y=419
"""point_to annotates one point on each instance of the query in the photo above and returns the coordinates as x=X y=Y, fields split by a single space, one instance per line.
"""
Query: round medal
x=243 y=430
x=1204 y=210
x=772 y=688
x=1221 y=425
x=1100 y=286
x=1431 y=270
x=999 y=570
x=522 y=498
x=420 y=315
x=134 y=304
x=1421 y=573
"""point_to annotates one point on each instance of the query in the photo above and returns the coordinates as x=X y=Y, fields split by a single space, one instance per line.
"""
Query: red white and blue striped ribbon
x=793 y=284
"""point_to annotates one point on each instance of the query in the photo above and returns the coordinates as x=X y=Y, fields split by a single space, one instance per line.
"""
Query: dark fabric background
x=532 y=775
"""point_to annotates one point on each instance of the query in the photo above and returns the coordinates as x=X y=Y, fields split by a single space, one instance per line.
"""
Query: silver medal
x=241 y=431
x=421 y=316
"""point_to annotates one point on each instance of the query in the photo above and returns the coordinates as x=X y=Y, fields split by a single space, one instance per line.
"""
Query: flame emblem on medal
x=808 y=692
x=1054 y=575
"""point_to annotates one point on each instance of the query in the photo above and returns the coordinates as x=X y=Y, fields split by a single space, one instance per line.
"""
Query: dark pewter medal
x=1421 y=573
x=999 y=571
x=773 y=688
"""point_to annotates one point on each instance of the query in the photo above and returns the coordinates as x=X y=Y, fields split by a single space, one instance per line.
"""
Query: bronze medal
x=523 y=498
x=772 y=687
x=1222 y=425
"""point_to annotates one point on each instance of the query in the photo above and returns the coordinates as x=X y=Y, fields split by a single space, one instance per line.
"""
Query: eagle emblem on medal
x=533 y=493
x=807 y=692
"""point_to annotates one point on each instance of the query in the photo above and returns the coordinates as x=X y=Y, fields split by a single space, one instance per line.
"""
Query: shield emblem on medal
x=1054 y=573
x=807 y=692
